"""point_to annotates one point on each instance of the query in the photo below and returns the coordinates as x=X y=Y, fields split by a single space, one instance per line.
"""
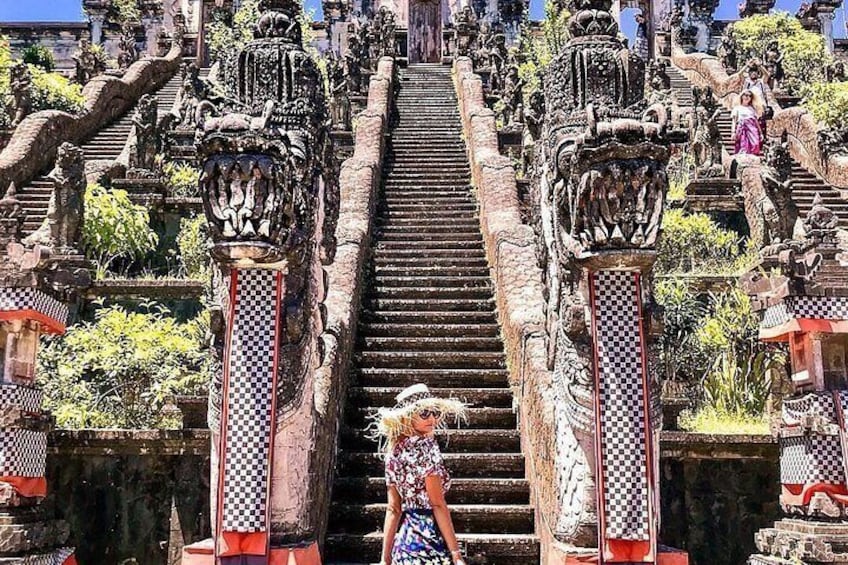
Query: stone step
x=477 y=518
x=461 y=465
x=411 y=226
x=430 y=330
x=437 y=197
x=425 y=246
x=459 y=378
x=452 y=261
x=464 y=344
x=475 y=397
x=386 y=253
x=390 y=233
x=432 y=359
x=462 y=491
x=451 y=441
x=431 y=270
x=428 y=293
x=488 y=549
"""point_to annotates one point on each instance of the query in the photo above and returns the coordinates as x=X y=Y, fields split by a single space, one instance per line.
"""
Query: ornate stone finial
x=89 y=62
x=11 y=217
x=465 y=30
x=62 y=228
x=778 y=210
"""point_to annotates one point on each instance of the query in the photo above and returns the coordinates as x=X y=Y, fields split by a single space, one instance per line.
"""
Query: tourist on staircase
x=746 y=129
x=418 y=527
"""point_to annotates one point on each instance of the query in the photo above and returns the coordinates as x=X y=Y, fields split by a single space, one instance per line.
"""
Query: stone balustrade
x=510 y=249
x=800 y=126
x=33 y=146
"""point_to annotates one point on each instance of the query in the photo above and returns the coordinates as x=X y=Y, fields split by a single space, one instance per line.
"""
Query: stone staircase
x=429 y=316
x=106 y=144
x=805 y=184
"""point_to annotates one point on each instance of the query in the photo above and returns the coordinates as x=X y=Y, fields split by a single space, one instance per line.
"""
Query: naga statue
x=704 y=134
x=465 y=31
x=599 y=195
x=271 y=205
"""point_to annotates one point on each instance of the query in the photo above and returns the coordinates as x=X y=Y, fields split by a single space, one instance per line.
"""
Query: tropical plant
x=539 y=50
x=126 y=10
x=679 y=173
x=683 y=312
x=739 y=385
x=182 y=179
x=805 y=56
x=226 y=34
x=115 y=229
x=5 y=90
x=121 y=369
x=192 y=242
x=691 y=242
x=39 y=56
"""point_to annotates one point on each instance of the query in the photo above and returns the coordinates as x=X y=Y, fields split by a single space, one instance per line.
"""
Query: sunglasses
x=424 y=414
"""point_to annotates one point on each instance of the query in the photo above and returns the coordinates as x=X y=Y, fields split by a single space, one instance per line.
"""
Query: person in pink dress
x=747 y=131
x=418 y=529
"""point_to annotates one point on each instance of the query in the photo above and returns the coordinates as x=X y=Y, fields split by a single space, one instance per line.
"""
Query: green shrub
x=707 y=421
x=5 y=65
x=39 y=56
x=192 y=242
x=224 y=36
x=694 y=242
x=679 y=173
x=805 y=56
x=126 y=10
x=122 y=368
x=54 y=92
x=182 y=179
x=827 y=102
x=115 y=228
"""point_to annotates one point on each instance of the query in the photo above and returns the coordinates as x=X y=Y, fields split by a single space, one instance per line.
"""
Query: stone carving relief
x=127 y=50
x=704 y=135
x=465 y=31
x=339 y=98
x=62 y=229
x=90 y=62
x=146 y=140
x=598 y=194
x=778 y=211
x=20 y=83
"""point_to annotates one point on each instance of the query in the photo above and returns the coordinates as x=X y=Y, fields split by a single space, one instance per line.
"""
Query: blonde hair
x=390 y=425
x=757 y=101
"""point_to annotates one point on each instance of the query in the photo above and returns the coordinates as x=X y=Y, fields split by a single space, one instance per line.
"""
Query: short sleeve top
x=411 y=461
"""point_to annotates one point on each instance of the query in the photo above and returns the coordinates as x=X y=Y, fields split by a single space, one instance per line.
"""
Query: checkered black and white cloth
x=810 y=404
x=13 y=299
x=250 y=382
x=22 y=453
x=623 y=405
x=816 y=307
x=814 y=458
x=25 y=398
x=57 y=557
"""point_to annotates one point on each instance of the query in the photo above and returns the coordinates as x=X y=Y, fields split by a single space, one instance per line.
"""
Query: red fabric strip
x=48 y=324
x=27 y=486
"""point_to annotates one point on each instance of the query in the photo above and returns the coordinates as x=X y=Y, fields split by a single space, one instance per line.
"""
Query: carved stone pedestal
x=792 y=541
x=714 y=195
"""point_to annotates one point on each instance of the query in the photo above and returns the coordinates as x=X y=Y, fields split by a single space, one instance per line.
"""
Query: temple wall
x=143 y=494
x=32 y=147
x=797 y=122
x=60 y=38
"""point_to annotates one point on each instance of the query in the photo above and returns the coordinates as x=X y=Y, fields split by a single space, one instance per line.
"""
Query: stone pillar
x=598 y=268
x=271 y=212
x=96 y=21
x=826 y=25
x=799 y=291
x=152 y=26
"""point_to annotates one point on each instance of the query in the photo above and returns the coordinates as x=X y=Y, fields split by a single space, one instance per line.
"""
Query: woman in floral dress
x=418 y=526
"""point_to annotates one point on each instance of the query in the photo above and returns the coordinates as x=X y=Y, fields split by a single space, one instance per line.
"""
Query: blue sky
x=71 y=10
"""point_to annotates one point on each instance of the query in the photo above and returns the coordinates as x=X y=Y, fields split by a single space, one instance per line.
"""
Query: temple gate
x=425 y=31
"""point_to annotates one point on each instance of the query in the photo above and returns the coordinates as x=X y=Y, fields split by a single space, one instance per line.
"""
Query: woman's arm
x=436 y=493
x=391 y=524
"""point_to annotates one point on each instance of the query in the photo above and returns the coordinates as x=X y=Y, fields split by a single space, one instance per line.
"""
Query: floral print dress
x=418 y=540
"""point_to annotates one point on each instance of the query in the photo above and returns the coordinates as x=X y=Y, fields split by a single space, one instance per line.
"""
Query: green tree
x=192 y=242
x=694 y=242
x=225 y=36
x=827 y=102
x=39 y=56
x=539 y=51
x=805 y=56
